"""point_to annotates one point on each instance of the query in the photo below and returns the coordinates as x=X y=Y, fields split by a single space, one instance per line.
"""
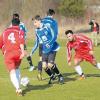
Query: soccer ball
x=24 y=81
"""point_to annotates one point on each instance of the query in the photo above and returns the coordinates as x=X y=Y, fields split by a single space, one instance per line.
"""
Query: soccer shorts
x=85 y=56
x=49 y=57
x=12 y=60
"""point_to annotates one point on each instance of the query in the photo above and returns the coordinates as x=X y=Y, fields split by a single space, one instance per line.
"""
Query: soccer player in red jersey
x=83 y=51
x=12 y=44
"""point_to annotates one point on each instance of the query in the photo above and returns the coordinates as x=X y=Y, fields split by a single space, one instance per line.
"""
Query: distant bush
x=72 y=8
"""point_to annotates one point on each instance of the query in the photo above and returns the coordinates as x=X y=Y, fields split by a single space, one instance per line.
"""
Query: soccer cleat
x=19 y=92
x=39 y=76
x=61 y=80
x=31 y=68
x=51 y=78
x=82 y=77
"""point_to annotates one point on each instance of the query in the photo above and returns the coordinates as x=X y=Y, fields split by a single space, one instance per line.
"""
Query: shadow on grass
x=68 y=76
x=35 y=87
x=92 y=75
x=29 y=67
x=44 y=86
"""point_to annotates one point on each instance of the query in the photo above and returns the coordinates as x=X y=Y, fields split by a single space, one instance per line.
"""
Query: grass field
x=73 y=89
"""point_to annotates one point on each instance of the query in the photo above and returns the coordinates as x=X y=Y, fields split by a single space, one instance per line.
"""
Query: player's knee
x=44 y=65
x=76 y=62
x=12 y=71
x=50 y=65
x=40 y=58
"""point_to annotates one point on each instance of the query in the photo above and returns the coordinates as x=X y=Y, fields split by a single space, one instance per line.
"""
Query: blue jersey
x=47 y=36
x=22 y=27
x=53 y=24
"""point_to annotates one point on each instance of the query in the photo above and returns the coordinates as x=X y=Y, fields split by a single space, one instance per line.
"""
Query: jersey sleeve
x=35 y=45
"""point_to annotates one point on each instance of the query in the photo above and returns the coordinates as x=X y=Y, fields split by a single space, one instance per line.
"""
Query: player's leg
x=78 y=68
x=18 y=74
x=15 y=82
x=11 y=66
x=45 y=67
x=92 y=60
x=29 y=59
x=39 y=76
x=53 y=66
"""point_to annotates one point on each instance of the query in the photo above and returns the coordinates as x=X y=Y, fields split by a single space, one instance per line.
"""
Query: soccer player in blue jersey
x=48 y=20
x=46 y=36
x=22 y=27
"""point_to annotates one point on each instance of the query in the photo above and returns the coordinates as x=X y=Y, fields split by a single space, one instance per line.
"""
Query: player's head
x=69 y=34
x=50 y=12
x=15 y=22
x=37 y=21
x=15 y=16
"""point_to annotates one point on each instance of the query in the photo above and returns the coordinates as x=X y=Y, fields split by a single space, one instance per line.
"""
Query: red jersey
x=81 y=44
x=11 y=39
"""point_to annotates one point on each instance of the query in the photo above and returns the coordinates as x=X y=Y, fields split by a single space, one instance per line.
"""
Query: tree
x=72 y=8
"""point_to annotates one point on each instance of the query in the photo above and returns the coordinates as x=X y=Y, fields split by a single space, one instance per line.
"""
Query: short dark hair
x=15 y=22
x=37 y=17
x=50 y=12
x=68 y=31
x=15 y=15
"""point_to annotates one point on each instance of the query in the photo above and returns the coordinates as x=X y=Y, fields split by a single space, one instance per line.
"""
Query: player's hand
x=91 y=52
x=69 y=64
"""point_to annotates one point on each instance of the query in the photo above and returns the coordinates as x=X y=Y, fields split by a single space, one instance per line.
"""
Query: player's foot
x=31 y=68
x=82 y=77
x=39 y=76
x=50 y=80
x=61 y=80
x=19 y=92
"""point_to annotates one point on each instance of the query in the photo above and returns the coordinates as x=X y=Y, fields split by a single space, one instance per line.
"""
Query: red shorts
x=12 y=59
x=85 y=56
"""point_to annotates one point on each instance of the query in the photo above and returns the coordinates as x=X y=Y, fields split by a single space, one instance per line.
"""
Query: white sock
x=98 y=65
x=18 y=75
x=14 y=79
x=78 y=70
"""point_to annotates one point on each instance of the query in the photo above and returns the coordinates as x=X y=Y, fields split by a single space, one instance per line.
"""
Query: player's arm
x=22 y=51
x=35 y=46
x=22 y=42
x=69 y=55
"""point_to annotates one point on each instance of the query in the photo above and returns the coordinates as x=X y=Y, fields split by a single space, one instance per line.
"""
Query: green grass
x=73 y=89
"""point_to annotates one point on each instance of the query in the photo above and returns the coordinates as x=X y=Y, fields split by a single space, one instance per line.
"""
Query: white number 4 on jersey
x=11 y=37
